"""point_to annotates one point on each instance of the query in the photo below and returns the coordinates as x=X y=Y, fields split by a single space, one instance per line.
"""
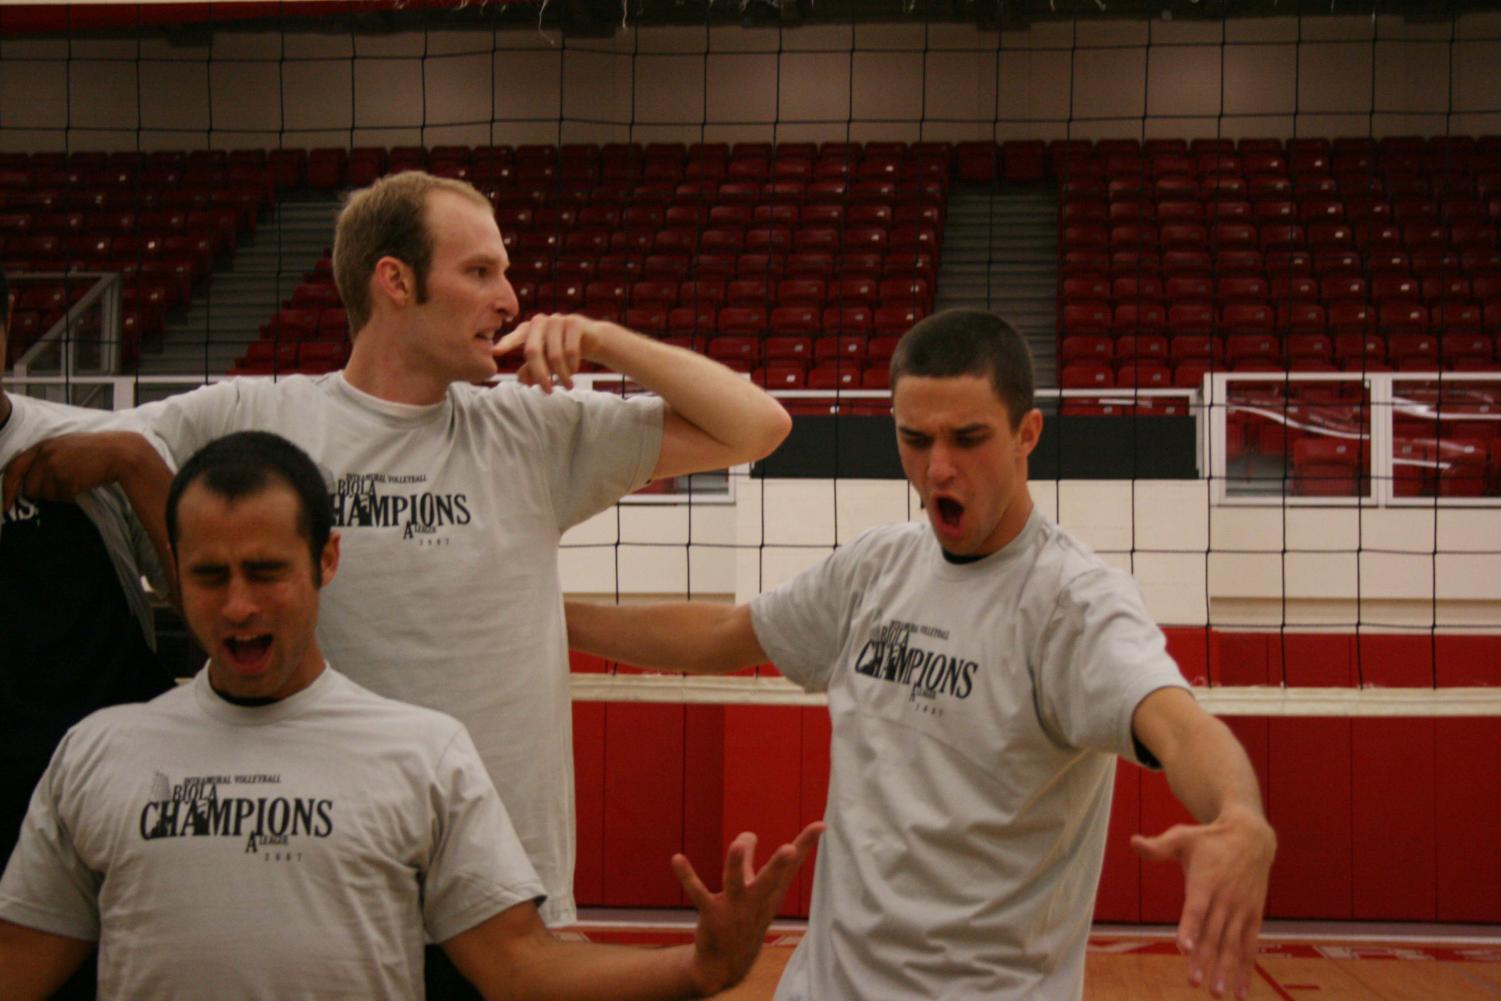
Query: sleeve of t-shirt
x=478 y=867
x=46 y=885
x=602 y=447
x=180 y=425
x=142 y=551
x=1100 y=655
x=801 y=625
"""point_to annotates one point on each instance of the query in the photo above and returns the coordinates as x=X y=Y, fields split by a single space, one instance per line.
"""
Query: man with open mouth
x=984 y=672
x=272 y=830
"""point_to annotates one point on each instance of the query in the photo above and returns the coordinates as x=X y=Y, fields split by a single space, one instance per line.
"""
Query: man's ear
x=329 y=561
x=1030 y=431
x=394 y=280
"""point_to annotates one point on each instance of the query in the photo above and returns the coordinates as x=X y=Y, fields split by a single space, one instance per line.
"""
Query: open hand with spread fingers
x=733 y=922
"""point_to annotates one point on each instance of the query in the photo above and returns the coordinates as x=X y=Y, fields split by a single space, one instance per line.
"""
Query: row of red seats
x=1316 y=238
x=867 y=292
x=1296 y=165
x=1380 y=288
x=724 y=240
x=1272 y=264
x=810 y=321
x=1361 y=211
x=728 y=215
x=1236 y=187
x=266 y=357
x=625 y=193
x=1024 y=161
x=1303 y=351
x=1339 y=317
x=333 y=168
x=657 y=162
x=1321 y=220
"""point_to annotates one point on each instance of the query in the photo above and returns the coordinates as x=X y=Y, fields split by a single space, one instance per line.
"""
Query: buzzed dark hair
x=969 y=342
x=248 y=462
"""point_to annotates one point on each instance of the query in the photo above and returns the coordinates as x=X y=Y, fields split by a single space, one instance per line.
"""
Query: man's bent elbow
x=774 y=429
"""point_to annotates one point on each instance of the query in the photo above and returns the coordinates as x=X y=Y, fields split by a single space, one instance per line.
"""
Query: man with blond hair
x=452 y=497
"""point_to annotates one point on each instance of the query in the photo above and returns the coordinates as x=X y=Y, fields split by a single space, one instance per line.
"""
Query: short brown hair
x=970 y=342
x=387 y=219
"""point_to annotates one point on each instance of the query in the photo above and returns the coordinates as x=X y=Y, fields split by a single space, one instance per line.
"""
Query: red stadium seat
x=1247 y=318
x=848 y=320
x=897 y=319
x=1327 y=467
x=1086 y=318
x=795 y=320
x=1142 y=374
x=751 y=320
x=781 y=375
x=1413 y=352
x=798 y=349
x=707 y=292
x=1084 y=376
x=1148 y=347
x=733 y=347
x=1243 y=348
x=1145 y=317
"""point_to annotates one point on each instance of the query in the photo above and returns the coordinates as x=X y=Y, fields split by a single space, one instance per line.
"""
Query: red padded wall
x=643 y=804
x=1119 y=899
x=1393 y=819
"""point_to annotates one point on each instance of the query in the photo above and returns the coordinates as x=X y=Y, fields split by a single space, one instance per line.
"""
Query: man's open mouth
x=248 y=651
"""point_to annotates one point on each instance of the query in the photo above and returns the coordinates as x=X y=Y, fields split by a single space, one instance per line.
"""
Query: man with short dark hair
x=273 y=830
x=452 y=498
x=76 y=625
x=984 y=672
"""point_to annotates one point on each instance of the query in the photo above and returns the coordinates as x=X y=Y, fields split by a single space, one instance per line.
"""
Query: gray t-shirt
x=977 y=710
x=448 y=593
x=291 y=851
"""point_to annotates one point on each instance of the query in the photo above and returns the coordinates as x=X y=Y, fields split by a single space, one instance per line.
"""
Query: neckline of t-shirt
x=1007 y=553
x=227 y=712
x=386 y=410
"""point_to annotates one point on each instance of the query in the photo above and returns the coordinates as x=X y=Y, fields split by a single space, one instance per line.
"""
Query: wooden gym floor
x=1297 y=962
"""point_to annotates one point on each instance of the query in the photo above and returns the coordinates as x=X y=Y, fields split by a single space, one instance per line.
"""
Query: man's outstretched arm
x=1227 y=856
x=34 y=964
x=715 y=418
x=699 y=637
x=512 y=956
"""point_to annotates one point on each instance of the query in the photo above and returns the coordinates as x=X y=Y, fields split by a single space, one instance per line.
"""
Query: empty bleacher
x=160 y=220
x=1305 y=257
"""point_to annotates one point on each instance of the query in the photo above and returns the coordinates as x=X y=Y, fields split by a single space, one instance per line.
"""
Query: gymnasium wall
x=1321 y=76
